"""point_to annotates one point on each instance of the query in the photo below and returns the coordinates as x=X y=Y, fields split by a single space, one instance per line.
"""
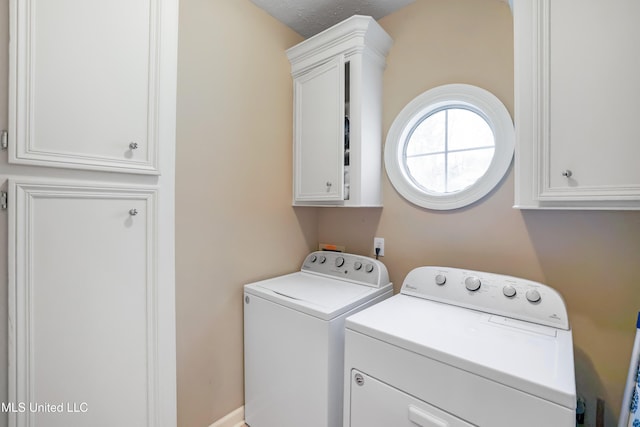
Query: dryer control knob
x=339 y=261
x=368 y=268
x=357 y=265
x=472 y=283
x=533 y=295
x=313 y=258
x=322 y=259
x=441 y=279
x=509 y=291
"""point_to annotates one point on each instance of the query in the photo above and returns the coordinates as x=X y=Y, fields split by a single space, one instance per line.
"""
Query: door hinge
x=4 y=139
x=3 y=200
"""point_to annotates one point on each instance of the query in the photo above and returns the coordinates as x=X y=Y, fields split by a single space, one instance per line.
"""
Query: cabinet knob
x=133 y=212
x=567 y=173
x=133 y=145
x=329 y=184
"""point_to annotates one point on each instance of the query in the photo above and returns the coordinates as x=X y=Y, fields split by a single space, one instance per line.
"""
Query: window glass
x=467 y=129
x=429 y=136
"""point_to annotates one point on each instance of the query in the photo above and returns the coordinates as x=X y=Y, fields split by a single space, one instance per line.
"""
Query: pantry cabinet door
x=83 y=306
x=84 y=84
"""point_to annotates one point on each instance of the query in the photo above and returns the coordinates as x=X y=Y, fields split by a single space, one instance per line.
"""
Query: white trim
x=232 y=419
x=478 y=100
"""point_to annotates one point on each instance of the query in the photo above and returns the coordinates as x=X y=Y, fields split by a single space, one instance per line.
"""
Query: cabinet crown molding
x=356 y=34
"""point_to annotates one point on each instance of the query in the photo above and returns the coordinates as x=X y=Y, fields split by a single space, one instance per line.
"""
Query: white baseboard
x=232 y=419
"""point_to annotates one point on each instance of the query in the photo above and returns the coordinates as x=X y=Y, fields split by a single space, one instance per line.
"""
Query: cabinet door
x=578 y=102
x=594 y=94
x=319 y=133
x=83 y=315
x=83 y=84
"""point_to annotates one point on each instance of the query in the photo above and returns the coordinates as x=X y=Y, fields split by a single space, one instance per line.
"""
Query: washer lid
x=319 y=296
x=532 y=358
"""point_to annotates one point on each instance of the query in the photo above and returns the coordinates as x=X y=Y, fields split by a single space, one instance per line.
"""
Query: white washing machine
x=294 y=338
x=461 y=348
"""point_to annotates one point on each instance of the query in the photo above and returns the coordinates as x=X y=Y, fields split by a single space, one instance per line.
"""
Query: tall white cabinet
x=577 y=104
x=91 y=213
x=338 y=114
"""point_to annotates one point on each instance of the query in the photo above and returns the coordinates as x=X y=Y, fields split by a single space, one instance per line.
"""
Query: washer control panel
x=490 y=293
x=355 y=268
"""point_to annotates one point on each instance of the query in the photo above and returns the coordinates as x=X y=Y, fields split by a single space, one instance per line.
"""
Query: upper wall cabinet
x=337 y=114
x=577 y=91
x=84 y=81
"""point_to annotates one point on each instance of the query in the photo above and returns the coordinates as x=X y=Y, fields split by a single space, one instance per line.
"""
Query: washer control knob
x=313 y=258
x=533 y=295
x=441 y=279
x=357 y=265
x=368 y=268
x=472 y=283
x=323 y=259
x=509 y=291
x=339 y=261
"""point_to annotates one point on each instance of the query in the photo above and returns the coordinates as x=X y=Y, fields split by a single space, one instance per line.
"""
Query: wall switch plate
x=378 y=242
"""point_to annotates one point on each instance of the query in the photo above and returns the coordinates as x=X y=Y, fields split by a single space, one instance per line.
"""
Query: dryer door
x=376 y=404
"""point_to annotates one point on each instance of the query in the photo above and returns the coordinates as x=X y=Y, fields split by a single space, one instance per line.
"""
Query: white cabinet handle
x=133 y=212
x=133 y=145
x=423 y=419
x=567 y=173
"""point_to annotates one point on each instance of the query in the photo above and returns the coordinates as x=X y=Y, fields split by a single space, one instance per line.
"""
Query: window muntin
x=448 y=150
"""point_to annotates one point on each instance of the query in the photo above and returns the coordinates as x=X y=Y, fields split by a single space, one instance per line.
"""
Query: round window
x=449 y=147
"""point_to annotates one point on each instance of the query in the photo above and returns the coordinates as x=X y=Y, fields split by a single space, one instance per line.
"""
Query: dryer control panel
x=490 y=293
x=354 y=268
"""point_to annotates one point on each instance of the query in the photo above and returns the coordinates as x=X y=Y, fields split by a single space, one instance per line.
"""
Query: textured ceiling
x=309 y=17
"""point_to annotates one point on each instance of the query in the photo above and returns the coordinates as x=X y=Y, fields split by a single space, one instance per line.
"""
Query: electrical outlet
x=378 y=243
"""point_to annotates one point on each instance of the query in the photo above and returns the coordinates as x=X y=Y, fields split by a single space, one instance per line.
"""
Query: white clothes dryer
x=294 y=338
x=461 y=348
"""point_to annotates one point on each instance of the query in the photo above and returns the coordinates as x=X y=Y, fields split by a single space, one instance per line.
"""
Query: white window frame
x=473 y=98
